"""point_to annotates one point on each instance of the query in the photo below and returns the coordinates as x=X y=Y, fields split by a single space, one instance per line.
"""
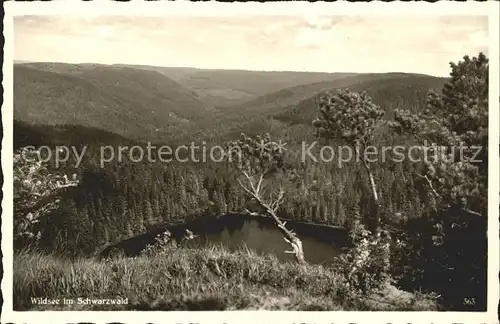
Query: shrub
x=163 y=245
x=366 y=266
x=37 y=193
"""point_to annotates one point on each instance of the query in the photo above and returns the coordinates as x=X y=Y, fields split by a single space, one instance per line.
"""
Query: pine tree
x=353 y=119
x=456 y=186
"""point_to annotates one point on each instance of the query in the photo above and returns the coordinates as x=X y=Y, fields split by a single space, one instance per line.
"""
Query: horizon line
x=224 y=69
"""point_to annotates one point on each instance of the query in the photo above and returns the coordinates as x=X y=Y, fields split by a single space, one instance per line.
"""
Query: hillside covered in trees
x=423 y=211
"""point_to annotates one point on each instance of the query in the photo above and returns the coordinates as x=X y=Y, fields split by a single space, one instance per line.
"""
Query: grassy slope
x=185 y=279
x=126 y=101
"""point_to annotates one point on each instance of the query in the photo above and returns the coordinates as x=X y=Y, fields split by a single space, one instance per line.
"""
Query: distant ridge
x=294 y=95
x=221 y=87
x=174 y=104
x=130 y=102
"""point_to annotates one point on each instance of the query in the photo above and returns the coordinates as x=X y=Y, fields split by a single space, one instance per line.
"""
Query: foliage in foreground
x=450 y=249
x=189 y=279
x=37 y=193
x=447 y=252
x=367 y=265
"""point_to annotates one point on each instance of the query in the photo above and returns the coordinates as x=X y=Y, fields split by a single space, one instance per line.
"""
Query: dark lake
x=321 y=243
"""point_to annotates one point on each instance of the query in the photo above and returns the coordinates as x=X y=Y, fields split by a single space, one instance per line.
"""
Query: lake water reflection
x=321 y=243
x=264 y=239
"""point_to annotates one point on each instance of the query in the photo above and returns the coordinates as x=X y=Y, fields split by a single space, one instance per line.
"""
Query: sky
x=272 y=43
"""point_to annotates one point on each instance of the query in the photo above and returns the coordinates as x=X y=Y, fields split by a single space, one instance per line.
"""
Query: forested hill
x=131 y=197
x=392 y=83
x=275 y=111
x=142 y=103
x=391 y=91
x=133 y=103
x=232 y=87
x=39 y=135
x=100 y=105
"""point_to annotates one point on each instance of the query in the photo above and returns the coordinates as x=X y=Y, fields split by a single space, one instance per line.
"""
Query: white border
x=212 y=8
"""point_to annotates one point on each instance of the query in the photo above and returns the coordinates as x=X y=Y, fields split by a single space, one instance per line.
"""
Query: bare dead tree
x=258 y=159
x=270 y=208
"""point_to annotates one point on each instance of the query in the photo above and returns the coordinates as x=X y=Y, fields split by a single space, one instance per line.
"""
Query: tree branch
x=472 y=212
x=430 y=184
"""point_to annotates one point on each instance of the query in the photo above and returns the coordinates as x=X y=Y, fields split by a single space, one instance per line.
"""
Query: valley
x=127 y=206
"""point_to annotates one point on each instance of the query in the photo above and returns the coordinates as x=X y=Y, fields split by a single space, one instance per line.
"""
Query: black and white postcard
x=180 y=162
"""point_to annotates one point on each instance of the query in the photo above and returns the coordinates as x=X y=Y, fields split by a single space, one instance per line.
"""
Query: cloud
x=315 y=43
x=308 y=38
x=322 y=22
x=235 y=28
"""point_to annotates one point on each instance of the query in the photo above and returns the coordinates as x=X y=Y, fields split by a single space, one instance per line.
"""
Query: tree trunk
x=270 y=209
x=289 y=236
x=375 y=215
x=293 y=240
